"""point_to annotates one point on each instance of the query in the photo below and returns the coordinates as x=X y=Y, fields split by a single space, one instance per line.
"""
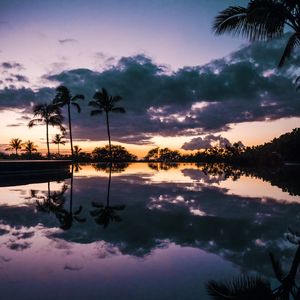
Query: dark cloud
x=11 y=65
x=66 y=41
x=243 y=87
x=20 y=78
x=15 y=125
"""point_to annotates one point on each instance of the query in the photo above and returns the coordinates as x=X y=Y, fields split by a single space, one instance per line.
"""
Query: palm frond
x=118 y=110
x=35 y=122
x=231 y=20
x=116 y=99
x=292 y=43
x=245 y=287
x=77 y=106
x=277 y=268
x=94 y=104
x=78 y=97
x=260 y=20
x=96 y=112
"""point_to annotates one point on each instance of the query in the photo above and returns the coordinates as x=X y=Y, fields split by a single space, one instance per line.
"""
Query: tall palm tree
x=47 y=114
x=65 y=98
x=29 y=147
x=262 y=20
x=14 y=144
x=58 y=139
x=104 y=103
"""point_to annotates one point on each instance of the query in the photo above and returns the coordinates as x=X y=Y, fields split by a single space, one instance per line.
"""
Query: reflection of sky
x=169 y=230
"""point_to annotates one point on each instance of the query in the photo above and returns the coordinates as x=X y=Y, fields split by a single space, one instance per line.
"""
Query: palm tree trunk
x=108 y=133
x=16 y=151
x=47 y=134
x=58 y=148
x=108 y=187
x=71 y=191
x=70 y=129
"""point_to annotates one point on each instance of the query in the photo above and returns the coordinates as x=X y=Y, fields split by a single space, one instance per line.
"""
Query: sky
x=182 y=86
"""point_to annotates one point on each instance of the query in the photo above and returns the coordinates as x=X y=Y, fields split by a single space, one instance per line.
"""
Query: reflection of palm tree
x=116 y=167
x=258 y=288
x=103 y=102
x=47 y=114
x=103 y=215
x=58 y=139
x=242 y=288
x=14 y=144
x=66 y=218
x=262 y=20
x=64 y=97
x=53 y=202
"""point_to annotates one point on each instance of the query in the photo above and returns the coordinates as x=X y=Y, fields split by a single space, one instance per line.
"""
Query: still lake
x=143 y=231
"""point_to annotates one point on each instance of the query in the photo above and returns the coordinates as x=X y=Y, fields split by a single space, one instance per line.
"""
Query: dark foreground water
x=143 y=232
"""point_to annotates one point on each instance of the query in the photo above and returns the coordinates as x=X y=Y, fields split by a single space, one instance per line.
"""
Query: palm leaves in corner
x=262 y=20
x=243 y=288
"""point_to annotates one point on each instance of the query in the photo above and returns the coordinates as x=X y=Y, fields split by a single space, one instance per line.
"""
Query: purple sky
x=141 y=50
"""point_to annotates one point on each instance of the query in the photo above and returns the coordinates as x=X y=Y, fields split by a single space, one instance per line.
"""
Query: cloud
x=15 y=125
x=206 y=142
x=67 y=41
x=11 y=65
x=243 y=87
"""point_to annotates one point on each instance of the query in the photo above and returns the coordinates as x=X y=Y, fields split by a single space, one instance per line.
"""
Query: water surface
x=143 y=231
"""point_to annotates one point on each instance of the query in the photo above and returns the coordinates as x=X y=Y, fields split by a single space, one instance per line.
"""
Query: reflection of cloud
x=241 y=229
x=4 y=259
x=72 y=267
x=18 y=246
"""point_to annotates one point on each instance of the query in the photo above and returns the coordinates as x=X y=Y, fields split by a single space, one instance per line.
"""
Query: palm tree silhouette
x=262 y=20
x=58 y=139
x=47 y=114
x=29 y=147
x=77 y=151
x=104 y=214
x=65 y=98
x=14 y=144
x=53 y=202
x=103 y=102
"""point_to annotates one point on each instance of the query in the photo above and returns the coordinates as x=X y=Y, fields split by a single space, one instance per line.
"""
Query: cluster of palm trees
x=49 y=114
x=16 y=144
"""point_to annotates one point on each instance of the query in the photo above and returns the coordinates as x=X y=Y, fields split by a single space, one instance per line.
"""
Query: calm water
x=142 y=232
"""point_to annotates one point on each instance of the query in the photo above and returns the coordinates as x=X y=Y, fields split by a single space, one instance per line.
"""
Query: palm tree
x=77 y=150
x=65 y=98
x=47 y=114
x=14 y=144
x=103 y=102
x=58 y=139
x=29 y=147
x=262 y=20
